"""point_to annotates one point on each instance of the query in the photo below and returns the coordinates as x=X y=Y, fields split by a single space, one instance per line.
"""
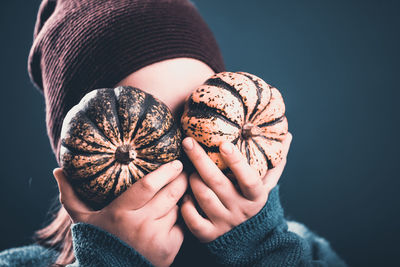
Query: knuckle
x=162 y=248
x=217 y=181
x=117 y=216
x=205 y=195
x=251 y=183
x=173 y=193
x=143 y=227
x=250 y=211
x=207 y=235
x=236 y=218
x=164 y=253
x=247 y=215
x=147 y=185
x=235 y=160
x=196 y=228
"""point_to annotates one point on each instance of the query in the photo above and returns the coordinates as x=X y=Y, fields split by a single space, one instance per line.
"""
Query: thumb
x=76 y=209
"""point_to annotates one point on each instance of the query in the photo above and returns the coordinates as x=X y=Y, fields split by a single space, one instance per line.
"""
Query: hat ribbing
x=81 y=45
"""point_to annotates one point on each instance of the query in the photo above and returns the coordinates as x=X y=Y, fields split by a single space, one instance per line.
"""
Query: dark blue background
x=337 y=66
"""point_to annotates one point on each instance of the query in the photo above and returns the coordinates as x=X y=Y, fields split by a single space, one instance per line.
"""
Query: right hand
x=144 y=216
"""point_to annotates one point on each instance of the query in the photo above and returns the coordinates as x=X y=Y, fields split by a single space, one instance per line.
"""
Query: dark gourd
x=243 y=109
x=112 y=138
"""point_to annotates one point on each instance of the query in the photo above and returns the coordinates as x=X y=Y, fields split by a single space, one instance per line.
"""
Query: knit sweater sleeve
x=96 y=247
x=267 y=239
x=30 y=255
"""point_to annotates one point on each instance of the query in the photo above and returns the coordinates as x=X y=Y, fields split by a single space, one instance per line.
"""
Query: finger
x=286 y=144
x=207 y=199
x=272 y=177
x=248 y=179
x=176 y=236
x=171 y=217
x=166 y=198
x=196 y=223
x=76 y=209
x=207 y=169
x=142 y=191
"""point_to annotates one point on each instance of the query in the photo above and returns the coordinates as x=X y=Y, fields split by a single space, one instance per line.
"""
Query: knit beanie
x=82 y=45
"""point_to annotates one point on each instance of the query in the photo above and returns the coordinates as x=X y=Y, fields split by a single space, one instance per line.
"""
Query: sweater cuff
x=245 y=237
x=95 y=247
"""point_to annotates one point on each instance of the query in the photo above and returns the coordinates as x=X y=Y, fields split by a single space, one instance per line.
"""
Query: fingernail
x=187 y=143
x=177 y=164
x=227 y=148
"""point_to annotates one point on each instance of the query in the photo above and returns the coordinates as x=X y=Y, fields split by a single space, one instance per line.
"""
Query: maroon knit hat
x=81 y=45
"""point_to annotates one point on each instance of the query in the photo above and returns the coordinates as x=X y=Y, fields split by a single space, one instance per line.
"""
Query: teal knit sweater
x=266 y=239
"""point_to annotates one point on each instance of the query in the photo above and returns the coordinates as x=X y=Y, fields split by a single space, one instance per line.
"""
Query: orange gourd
x=112 y=138
x=240 y=108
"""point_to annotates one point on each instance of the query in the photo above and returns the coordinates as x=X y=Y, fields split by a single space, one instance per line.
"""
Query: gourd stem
x=250 y=130
x=125 y=154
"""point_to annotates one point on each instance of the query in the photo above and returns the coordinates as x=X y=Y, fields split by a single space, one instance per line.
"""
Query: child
x=164 y=48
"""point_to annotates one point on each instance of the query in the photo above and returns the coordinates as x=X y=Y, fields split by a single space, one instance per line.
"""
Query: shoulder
x=31 y=255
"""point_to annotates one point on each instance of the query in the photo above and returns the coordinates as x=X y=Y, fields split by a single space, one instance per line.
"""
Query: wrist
x=242 y=239
x=93 y=245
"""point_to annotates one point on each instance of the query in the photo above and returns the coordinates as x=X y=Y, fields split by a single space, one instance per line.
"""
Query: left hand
x=224 y=205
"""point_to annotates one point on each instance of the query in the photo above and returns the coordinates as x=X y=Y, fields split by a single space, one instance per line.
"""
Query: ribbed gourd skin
x=112 y=138
x=241 y=108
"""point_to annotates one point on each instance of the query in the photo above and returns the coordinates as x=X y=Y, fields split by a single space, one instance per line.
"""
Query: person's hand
x=144 y=216
x=225 y=205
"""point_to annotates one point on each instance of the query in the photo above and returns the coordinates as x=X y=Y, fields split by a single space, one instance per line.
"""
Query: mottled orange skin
x=225 y=105
x=104 y=120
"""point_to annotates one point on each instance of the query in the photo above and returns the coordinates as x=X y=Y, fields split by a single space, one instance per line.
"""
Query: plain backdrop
x=337 y=66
